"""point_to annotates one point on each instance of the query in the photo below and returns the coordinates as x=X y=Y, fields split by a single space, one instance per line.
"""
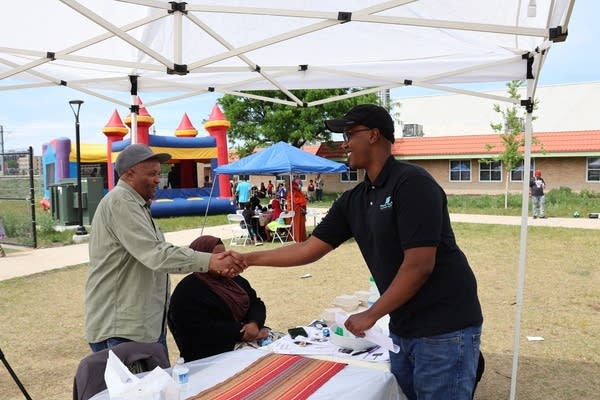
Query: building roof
x=549 y=144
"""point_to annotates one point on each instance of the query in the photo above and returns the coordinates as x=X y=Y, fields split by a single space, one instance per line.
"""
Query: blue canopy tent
x=281 y=158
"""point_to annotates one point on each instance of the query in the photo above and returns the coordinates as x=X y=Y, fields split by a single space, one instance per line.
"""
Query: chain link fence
x=17 y=200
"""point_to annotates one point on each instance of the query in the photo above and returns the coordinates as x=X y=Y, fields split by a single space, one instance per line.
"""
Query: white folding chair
x=240 y=234
x=281 y=231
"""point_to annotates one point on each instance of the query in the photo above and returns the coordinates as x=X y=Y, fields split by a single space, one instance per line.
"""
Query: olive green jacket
x=128 y=287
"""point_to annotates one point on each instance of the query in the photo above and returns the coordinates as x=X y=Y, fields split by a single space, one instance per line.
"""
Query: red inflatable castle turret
x=217 y=126
x=144 y=122
x=185 y=128
x=187 y=168
x=114 y=131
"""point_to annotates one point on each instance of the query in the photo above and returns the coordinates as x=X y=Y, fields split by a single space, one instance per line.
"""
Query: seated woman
x=252 y=224
x=276 y=206
x=264 y=218
x=209 y=314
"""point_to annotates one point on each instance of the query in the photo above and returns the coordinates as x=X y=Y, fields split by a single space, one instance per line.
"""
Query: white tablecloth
x=351 y=382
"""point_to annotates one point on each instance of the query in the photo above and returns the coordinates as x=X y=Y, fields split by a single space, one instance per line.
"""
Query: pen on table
x=302 y=343
x=369 y=350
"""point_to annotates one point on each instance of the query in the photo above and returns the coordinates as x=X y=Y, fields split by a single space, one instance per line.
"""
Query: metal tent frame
x=110 y=49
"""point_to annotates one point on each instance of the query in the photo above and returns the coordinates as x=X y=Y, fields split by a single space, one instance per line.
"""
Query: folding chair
x=239 y=231
x=89 y=378
x=283 y=230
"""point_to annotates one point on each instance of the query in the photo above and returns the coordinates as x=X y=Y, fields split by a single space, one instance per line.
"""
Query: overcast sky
x=35 y=116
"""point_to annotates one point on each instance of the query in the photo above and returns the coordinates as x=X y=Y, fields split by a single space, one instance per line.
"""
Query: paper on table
x=371 y=335
x=286 y=345
x=123 y=385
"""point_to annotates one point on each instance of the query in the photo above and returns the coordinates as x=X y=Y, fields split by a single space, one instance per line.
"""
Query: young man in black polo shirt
x=399 y=218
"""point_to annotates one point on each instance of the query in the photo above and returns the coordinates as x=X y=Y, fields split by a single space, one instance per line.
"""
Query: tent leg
x=212 y=188
x=523 y=240
x=134 y=110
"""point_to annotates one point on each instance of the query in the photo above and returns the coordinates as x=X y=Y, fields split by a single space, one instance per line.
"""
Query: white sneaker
x=258 y=243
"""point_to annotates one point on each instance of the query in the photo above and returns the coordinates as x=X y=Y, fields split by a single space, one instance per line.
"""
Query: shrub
x=45 y=223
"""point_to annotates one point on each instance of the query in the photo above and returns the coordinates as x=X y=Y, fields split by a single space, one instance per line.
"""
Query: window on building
x=286 y=178
x=350 y=176
x=490 y=171
x=516 y=174
x=593 y=169
x=460 y=170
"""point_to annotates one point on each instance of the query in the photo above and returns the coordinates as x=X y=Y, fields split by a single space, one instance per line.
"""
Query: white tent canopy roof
x=95 y=46
x=235 y=46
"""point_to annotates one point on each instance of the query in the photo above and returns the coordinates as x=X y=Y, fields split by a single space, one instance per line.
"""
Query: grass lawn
x=559 y=203
x=41 y=316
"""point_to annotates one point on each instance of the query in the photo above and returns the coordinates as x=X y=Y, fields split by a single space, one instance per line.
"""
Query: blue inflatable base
x=190 y=206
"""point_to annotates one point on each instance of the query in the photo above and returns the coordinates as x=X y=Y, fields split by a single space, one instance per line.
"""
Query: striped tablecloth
x=275 y=376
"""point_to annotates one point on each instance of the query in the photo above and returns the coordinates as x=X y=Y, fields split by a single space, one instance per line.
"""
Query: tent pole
x=292 y=200
x=523 y=238
x=212 y=188
x=134 y=109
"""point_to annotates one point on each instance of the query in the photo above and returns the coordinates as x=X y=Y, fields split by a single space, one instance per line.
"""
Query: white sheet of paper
x=371 y=335
x=286 y=345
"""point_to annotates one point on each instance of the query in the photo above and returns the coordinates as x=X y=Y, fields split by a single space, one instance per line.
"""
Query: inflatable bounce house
x=188 y=188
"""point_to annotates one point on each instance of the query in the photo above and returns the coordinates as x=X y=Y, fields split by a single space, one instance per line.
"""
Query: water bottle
x=374 y=292
x=181 y=375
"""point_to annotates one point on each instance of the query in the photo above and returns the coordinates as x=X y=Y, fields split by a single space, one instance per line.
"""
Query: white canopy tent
x=184 y=50
x=113 y=49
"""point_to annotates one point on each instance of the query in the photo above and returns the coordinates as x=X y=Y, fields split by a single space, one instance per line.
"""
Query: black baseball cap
x=135 y=154
x=369 y=115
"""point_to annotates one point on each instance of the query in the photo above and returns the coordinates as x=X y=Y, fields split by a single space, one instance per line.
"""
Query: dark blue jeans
x=437 y=367
x=113 y=341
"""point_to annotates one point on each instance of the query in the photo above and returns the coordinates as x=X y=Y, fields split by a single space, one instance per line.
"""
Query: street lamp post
x=75 y=106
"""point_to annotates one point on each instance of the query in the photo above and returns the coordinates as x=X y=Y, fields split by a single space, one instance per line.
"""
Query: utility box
x=92 y=190
x=65 y=200
x=62 y=195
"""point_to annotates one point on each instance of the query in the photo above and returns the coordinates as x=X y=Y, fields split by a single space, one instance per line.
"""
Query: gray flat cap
x=135 y=154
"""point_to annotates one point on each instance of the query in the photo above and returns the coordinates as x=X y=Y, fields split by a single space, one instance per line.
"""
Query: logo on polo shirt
x=387 y=204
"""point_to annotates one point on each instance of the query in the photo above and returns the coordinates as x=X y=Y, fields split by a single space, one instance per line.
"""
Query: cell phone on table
x=297 y=331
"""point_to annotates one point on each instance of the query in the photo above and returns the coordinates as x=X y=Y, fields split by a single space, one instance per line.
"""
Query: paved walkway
x=32 y=261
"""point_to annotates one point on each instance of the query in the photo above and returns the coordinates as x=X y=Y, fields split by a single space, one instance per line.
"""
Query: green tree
x=511 y=126
x=261 y=123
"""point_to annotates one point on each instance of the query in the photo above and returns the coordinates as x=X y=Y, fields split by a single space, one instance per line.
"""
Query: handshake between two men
x=229 y=263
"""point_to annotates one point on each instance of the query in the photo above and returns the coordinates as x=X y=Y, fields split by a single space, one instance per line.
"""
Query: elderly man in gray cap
x=128 y=287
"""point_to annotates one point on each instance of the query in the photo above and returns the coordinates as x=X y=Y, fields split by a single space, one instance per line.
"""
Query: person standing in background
x=243 y=191
x=173 y=178
x=281 y=192
x=2 y=236
x=319 y=187
x=310 y=190
x=262 y=191
x=536 y=191
x=296 y=201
